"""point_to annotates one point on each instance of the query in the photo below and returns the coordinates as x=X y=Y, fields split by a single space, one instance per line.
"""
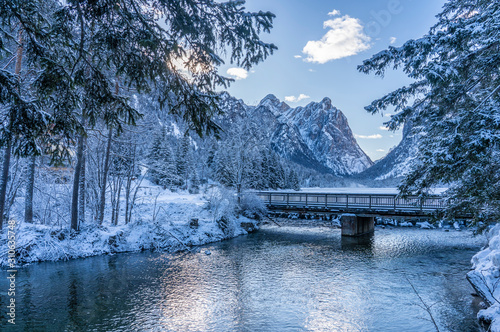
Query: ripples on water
x=279 y=279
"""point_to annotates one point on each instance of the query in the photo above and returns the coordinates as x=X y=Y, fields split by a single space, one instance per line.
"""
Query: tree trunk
x=238 y=190
x=128 y=183
x=102 y=198
x=127 y=197
x=30 y=187
x=8 y=150
x=76 y=185
x=134 y=197
x=4 y=181
x=117 y=207
x=82 y=190
x=113 y=199
x=116 y=187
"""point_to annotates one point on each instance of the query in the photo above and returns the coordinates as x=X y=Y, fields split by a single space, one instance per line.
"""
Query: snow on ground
x=161 y=221
x=485 y=277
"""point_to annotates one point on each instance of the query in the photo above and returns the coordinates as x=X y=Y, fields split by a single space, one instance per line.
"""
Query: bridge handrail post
x=346 y=201
x=287 y=199
x=395 y=202
x=326 y=200
x=370 y=201
x=306 y=199
x=269 y=198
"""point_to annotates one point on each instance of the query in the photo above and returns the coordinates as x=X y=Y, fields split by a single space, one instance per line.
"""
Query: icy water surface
x=279 y=279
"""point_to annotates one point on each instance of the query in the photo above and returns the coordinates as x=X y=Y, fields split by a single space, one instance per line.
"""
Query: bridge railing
x=351 y=201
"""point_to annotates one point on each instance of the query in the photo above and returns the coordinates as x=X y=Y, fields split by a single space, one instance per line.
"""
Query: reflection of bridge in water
x=358 y=210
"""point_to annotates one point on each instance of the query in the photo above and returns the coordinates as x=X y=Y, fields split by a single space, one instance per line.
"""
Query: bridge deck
x=377 y=204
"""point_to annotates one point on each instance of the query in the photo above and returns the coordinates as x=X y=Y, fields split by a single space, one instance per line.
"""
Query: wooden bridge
x=375 y=204
x=358 y=210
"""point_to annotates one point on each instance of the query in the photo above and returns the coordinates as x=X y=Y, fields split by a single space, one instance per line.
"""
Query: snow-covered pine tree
x=293 y=180
x=273 y=174
x=183 y=161
x=194 y=187
x=454 y=104
x=234 y=158
x=161 y=162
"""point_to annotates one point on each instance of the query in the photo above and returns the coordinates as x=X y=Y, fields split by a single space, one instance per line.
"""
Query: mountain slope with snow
x=398 y=161
x=326 y=132
x=316 y=136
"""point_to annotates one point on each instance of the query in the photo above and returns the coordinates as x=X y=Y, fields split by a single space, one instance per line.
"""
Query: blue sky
x=320 y=45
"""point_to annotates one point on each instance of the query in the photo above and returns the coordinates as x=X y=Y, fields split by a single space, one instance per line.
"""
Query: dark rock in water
x=193 y=223
x=248 y=226
x=207 y=252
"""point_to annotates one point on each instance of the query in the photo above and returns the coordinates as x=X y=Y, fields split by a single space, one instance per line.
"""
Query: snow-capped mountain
x=316 y=136
x=398 y=161
x=326 y=132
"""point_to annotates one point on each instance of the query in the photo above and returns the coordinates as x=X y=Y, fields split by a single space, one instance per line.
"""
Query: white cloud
x=297 y=56
x=375 y=136
x=334 y=12
x=312 y=70
x=380 y=150
x=293 y=99
x=393 y=40
x=383 y=128
x=237 y=73
x=345 y=38
x=388 y=115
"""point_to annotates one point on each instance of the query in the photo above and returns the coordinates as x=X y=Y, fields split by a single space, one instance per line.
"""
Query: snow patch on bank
x=485 y=278
x=162 y=223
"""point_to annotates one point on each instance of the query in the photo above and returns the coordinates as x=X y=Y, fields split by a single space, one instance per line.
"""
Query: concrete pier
x=355 y=225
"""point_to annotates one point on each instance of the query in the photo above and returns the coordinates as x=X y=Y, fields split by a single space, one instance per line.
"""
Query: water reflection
x=357 y=243
x=280 y=279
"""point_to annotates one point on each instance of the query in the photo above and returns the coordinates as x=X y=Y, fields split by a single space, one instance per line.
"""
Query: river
x=290 y=278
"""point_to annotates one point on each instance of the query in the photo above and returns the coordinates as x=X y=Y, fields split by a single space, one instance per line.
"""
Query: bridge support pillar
x=353 y=225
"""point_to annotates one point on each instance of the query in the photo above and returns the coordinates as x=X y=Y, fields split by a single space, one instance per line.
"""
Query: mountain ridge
x=316 y=136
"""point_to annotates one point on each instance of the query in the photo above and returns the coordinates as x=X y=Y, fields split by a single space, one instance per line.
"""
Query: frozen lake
x=286 y=278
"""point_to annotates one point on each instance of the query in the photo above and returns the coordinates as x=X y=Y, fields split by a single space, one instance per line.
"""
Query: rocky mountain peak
x=275 y=105
x=316 y=136
x=327 y=134
x=269 y=100
x=326 y=103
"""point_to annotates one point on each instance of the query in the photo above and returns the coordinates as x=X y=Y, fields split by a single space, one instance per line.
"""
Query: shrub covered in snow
x=222 y=205
x=252 y=206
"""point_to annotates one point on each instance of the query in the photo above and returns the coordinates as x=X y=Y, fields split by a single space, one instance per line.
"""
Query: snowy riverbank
x=166 y=221
x=485 y=277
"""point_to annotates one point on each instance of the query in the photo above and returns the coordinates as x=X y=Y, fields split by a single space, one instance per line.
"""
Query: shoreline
x=45 y=244
x=166 y=221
